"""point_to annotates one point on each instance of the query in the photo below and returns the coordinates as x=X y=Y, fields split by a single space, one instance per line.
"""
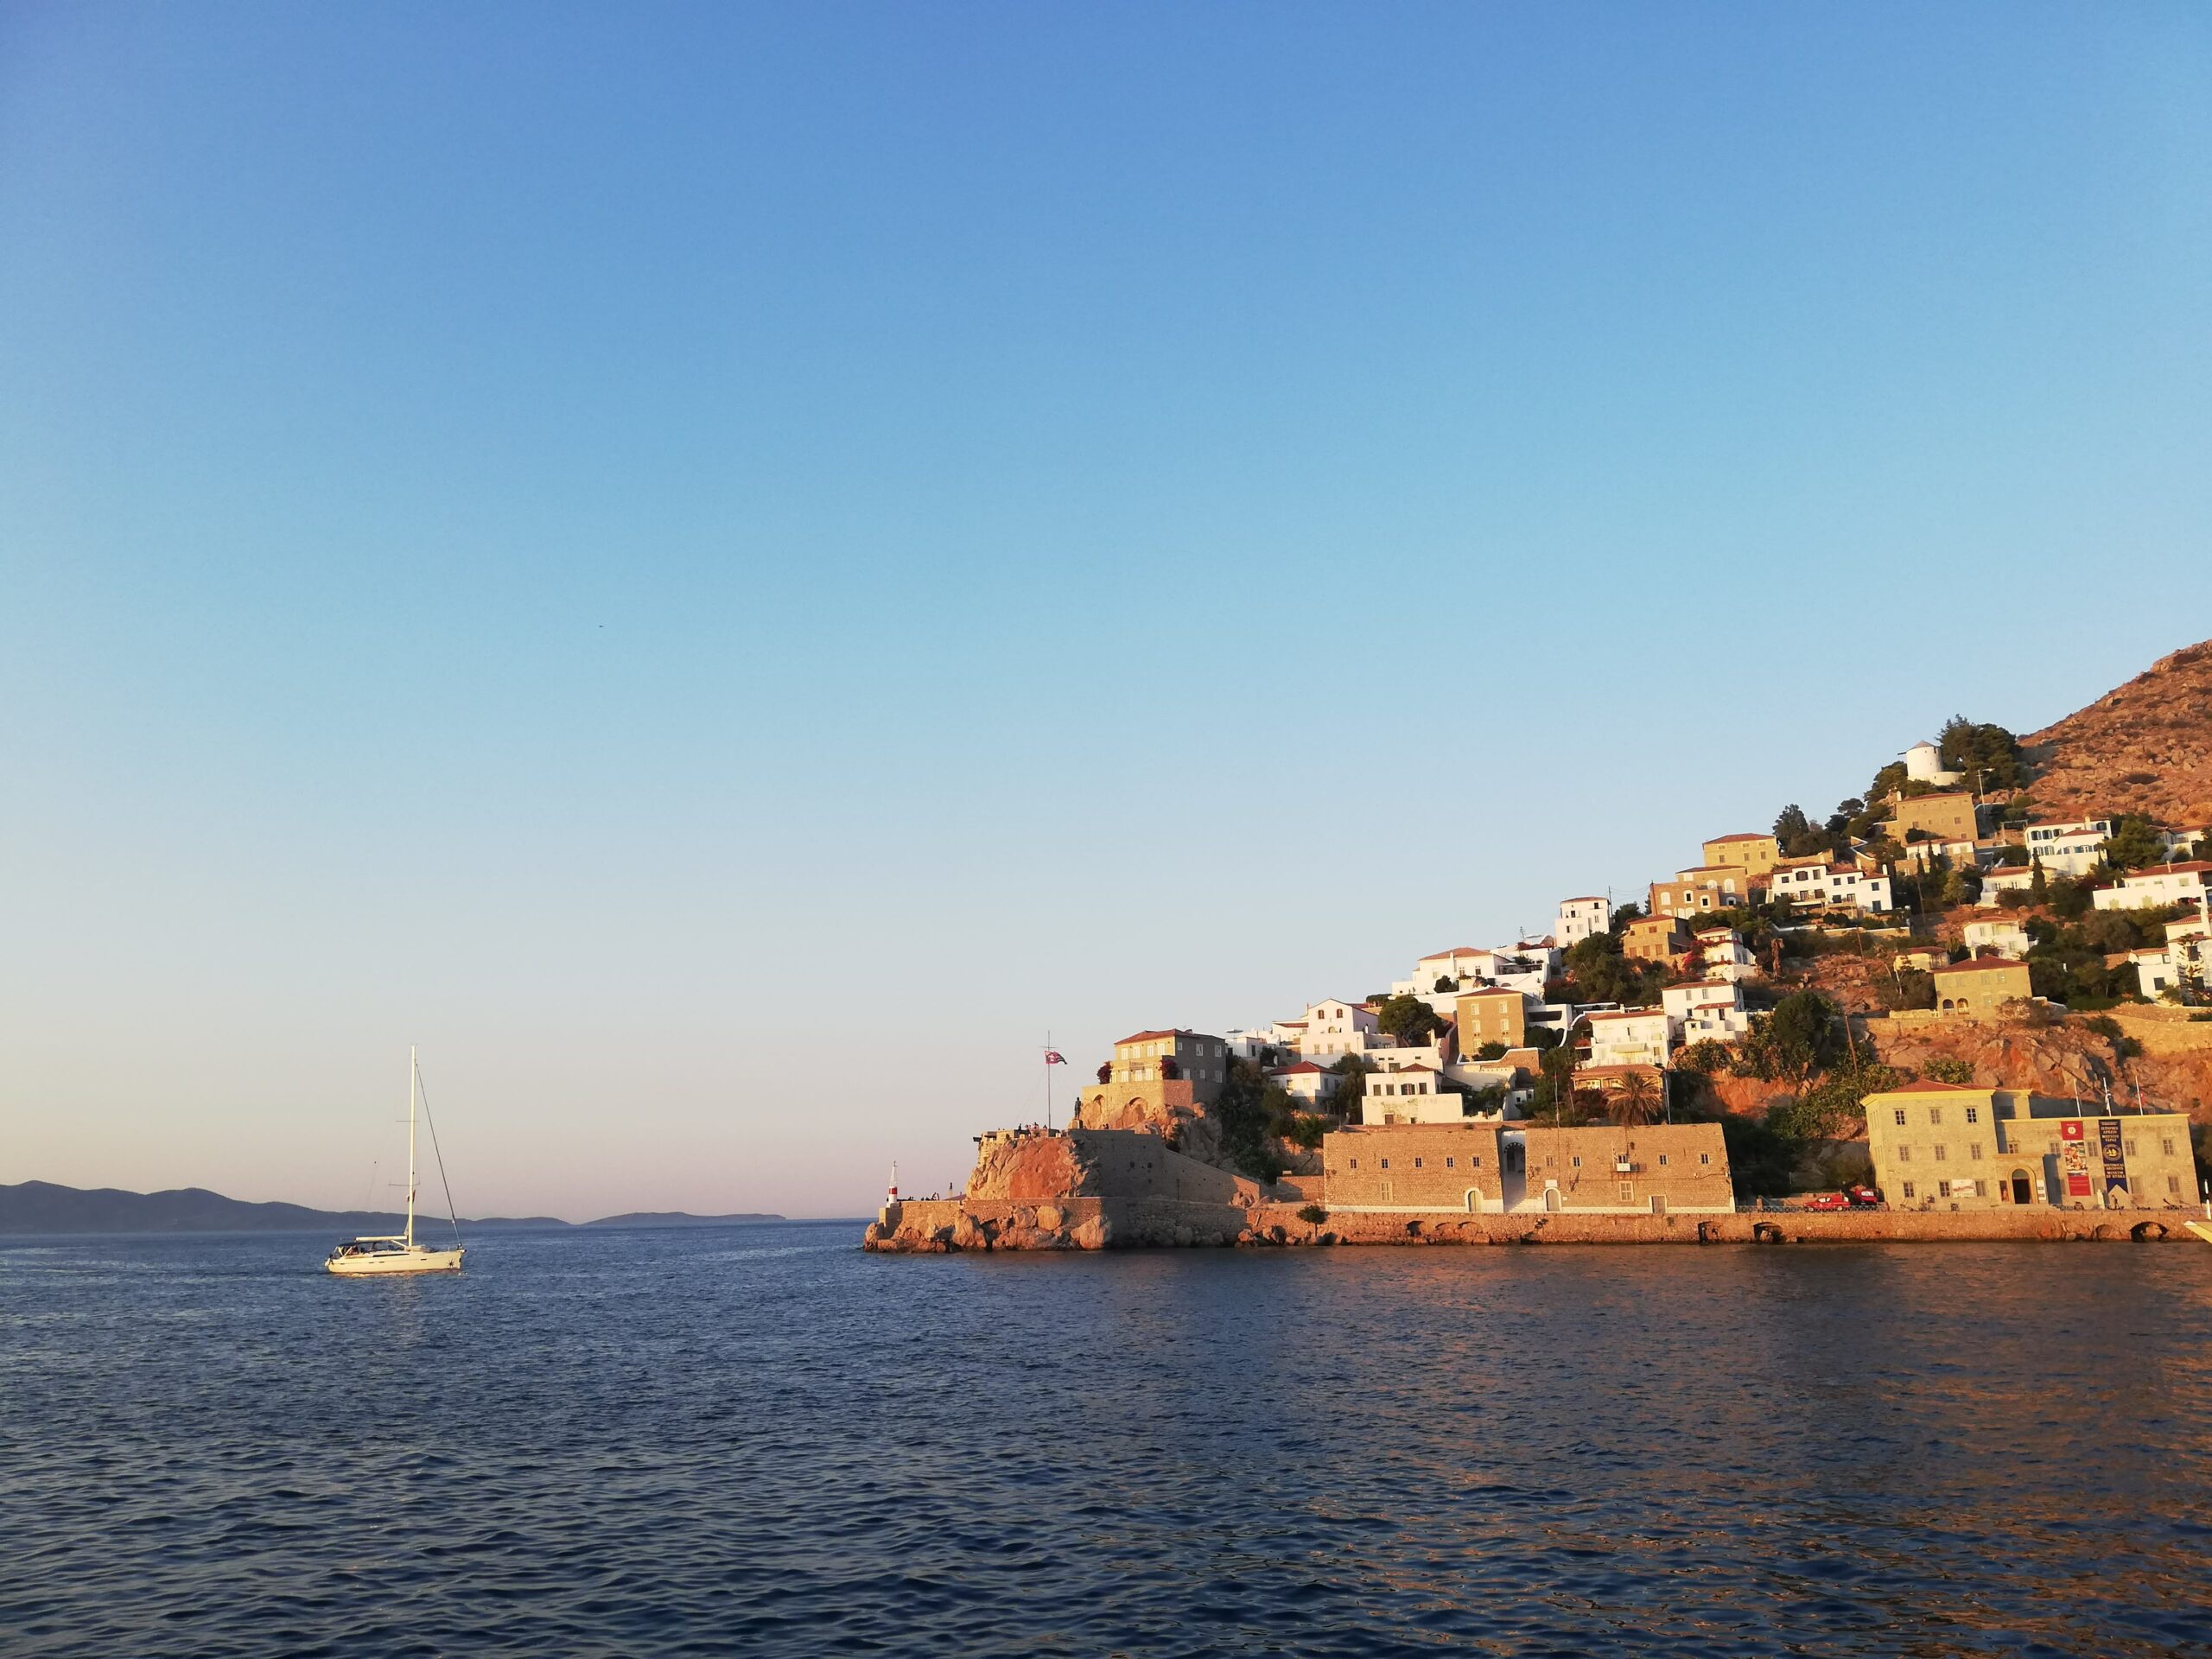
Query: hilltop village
x=1938 y=999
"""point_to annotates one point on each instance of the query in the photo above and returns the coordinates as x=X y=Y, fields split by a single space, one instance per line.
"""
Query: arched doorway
x=2023 y=1189
x=1551 y=1198
x=1474 y=1200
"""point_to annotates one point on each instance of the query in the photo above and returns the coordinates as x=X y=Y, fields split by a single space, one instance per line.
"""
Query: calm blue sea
x=758 y=1441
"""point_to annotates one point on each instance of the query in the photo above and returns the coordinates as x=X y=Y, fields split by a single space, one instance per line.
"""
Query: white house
x=1386 y=1056
x=1725 y=954
x=1711 y=1009
x=1839 y=886
x=2163 y=884
x=1334 y=1027
x=1459 y=963
x=2178 y=963
x=1415 y=1095
x=1308 y=1080
x=1963 y=855
x=1481 y=1074
x=1258 y=1042
x=2006 y=938
x=2006 y=878
x=2067 y=846
x=1633 y=1037
x=1581 y=919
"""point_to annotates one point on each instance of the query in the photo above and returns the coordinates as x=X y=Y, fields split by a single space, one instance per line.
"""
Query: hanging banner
x=2115 y=1166
x=2074 y=1157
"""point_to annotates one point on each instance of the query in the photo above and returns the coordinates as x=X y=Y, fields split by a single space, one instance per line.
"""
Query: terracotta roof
x=1492 y=990
x=1154 y=1036
x=1741 y=834
x=2198 y=864
x=1629 y=1014
x=1292 y=1070
x=1976 y=964
x=1402 y=1070
x=1456 y=951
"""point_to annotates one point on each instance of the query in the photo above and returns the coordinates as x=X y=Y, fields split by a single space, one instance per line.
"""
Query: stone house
x=1750 y=851
x=1945 y=1144
x=1947 y=816
x=1485 y=1168
x=1980 y=987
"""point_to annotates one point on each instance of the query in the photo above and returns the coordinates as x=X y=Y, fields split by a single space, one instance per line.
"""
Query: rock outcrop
x=2145 y=747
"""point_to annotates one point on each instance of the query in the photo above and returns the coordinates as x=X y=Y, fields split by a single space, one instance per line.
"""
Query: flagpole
x=1048 y=1083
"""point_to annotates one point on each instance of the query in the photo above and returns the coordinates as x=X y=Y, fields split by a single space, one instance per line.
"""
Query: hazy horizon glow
x=725 y=569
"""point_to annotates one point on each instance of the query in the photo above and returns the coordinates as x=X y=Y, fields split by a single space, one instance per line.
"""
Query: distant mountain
x=676 y=1218
x=31 y=1207
x=2145 y=747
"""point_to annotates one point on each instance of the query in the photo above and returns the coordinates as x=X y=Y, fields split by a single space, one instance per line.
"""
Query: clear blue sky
x=723 y=569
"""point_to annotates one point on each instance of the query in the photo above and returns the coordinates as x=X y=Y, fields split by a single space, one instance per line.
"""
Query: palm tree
x=1632 y=1103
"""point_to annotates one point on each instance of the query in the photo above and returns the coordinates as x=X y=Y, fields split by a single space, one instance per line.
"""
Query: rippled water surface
x=758 y=1441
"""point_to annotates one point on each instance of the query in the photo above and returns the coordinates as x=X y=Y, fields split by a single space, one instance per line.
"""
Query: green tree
x=1352 y=1086
x=1408 y=1019
x=1793 y=1041
x=1944 y=1069
x=1760 y=1157
x=1492 y=1049
x=1635 y=1101
x=1912 y=989
x=2134 y=843
x=1823 y=1111
x=1989 y=755
x=1253 y=1111
x=1705 y=1058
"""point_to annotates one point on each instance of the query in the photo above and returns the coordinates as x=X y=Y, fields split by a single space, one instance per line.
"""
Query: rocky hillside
x=2145 y=747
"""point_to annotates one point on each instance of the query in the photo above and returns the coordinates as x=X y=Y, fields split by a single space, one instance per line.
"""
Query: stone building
x=1755 y=853
x=1655 y=938
x=1495 y=1015
x=1949 y=817
x=1172 y=1056
x=1941 y=1145
x=1490 y=1167
x=1980 y=987
x=1162 y=1080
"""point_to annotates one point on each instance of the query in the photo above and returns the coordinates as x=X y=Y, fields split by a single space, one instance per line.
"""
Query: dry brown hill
x=2145 y=747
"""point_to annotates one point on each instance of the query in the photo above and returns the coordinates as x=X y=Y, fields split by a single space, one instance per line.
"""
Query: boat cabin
x=394 y=1246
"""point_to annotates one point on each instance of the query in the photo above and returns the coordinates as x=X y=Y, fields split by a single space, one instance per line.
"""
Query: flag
x=1053 y=1056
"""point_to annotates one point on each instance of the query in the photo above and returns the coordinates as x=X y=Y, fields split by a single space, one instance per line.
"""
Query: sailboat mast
x=411 y=1075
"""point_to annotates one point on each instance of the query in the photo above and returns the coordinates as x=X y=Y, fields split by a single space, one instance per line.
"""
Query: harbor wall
x=1094 y=1224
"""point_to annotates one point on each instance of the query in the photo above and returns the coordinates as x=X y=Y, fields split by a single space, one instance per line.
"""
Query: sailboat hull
x=386 y=1262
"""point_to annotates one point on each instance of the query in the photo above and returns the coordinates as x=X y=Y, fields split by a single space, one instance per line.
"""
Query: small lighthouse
x=892 y=1196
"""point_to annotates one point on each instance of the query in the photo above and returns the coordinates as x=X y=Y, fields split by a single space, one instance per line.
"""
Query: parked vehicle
x=1863 y=1198
x=1826 y=1201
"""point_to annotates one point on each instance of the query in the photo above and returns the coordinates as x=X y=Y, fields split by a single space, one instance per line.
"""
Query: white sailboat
x=399 y=1253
